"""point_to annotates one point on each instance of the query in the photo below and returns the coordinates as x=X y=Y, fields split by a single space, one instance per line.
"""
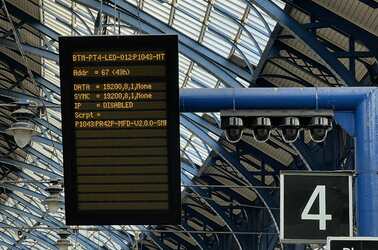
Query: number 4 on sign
x=322 y=217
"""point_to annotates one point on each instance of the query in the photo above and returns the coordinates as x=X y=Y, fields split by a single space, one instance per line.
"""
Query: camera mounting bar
x=279 y=113
x=289 y=123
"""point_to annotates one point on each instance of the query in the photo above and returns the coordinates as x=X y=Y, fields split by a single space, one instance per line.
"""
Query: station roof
x=222 y=44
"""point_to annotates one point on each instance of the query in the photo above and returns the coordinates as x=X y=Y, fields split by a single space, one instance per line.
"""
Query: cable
x=114 y=17
x=100 y=25
x=138 y=12
x=233 y=186
x=200 y=186
x=97 y=229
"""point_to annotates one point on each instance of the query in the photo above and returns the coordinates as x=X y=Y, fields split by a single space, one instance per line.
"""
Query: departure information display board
x=120 y=122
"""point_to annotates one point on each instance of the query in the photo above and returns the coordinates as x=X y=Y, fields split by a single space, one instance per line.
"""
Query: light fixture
x=54 y=201
x=22 y=133
x=319 y=127
x=63 y=243
x=289 y=128
x=23 y=114
x=22 y=129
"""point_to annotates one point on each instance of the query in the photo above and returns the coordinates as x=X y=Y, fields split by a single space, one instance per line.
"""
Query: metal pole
x=367 y=166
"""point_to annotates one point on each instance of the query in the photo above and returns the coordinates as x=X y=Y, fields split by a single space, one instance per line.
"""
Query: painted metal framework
x=228 y=189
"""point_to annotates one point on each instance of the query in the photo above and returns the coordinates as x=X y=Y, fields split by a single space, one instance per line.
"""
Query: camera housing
x=319 y=127
x=288 y=122
x=261 y=128
x=233 y=128
x=290 y=128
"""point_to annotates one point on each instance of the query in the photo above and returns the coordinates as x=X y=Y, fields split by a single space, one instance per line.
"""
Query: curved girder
x=33 y=234
x=6 y=237
x=263 y=194
x=217 y=209
x=189 y=142
x=23 y=190
x=222 y=68
x=22 y=165
x=117 y=237
x=43 y=140
x=308 y=38
x=57 y=167
x=10 y=44
x=11 y=62
x=223 y=37
x=199 y=242
x=19 y=96
x=45 y=219
x=247 y=147
x=341 y=24
x=241 y=26
x=189 y=167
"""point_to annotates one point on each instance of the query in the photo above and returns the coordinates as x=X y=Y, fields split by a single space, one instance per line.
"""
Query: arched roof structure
x=229 y=191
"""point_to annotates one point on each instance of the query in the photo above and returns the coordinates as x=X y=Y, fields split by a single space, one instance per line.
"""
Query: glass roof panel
x=157 y=9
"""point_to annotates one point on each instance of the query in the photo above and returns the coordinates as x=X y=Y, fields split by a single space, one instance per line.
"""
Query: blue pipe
x=360 y=101
x=213 y=100
x=367 y=163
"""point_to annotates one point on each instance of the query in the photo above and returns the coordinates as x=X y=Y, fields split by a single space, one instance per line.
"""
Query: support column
x=367 y=165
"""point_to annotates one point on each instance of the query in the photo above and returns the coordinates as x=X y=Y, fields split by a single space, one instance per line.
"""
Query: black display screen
x=120 y=117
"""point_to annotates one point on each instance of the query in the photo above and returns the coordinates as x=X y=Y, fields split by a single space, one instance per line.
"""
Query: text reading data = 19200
x=121 y=132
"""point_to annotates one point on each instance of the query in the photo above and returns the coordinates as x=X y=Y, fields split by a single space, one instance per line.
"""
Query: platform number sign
x=315 y=205
x=321 y=216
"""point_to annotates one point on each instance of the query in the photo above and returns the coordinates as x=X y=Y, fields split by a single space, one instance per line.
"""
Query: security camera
x=261 y=127
x=319 y=127
x=233 y=127
x=290 y=128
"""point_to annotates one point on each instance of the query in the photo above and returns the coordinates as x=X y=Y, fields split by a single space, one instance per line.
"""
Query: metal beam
x=246 y=146
x=339 y=23
x=12 y=63
x=371 y=3
x=185 y=40
x=58 y=168
x=32 y=21
x=217 y=65
x=22 y=165
x=283 y=46
x=232 y=161
x=23 y=190
x=47 y=220
x=33 y=234
x=307 y=37
x=10 y=44
x=48 y=142
x=215 y=207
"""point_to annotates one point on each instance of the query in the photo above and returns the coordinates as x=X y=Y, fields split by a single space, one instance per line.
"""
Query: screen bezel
x=168 y=43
